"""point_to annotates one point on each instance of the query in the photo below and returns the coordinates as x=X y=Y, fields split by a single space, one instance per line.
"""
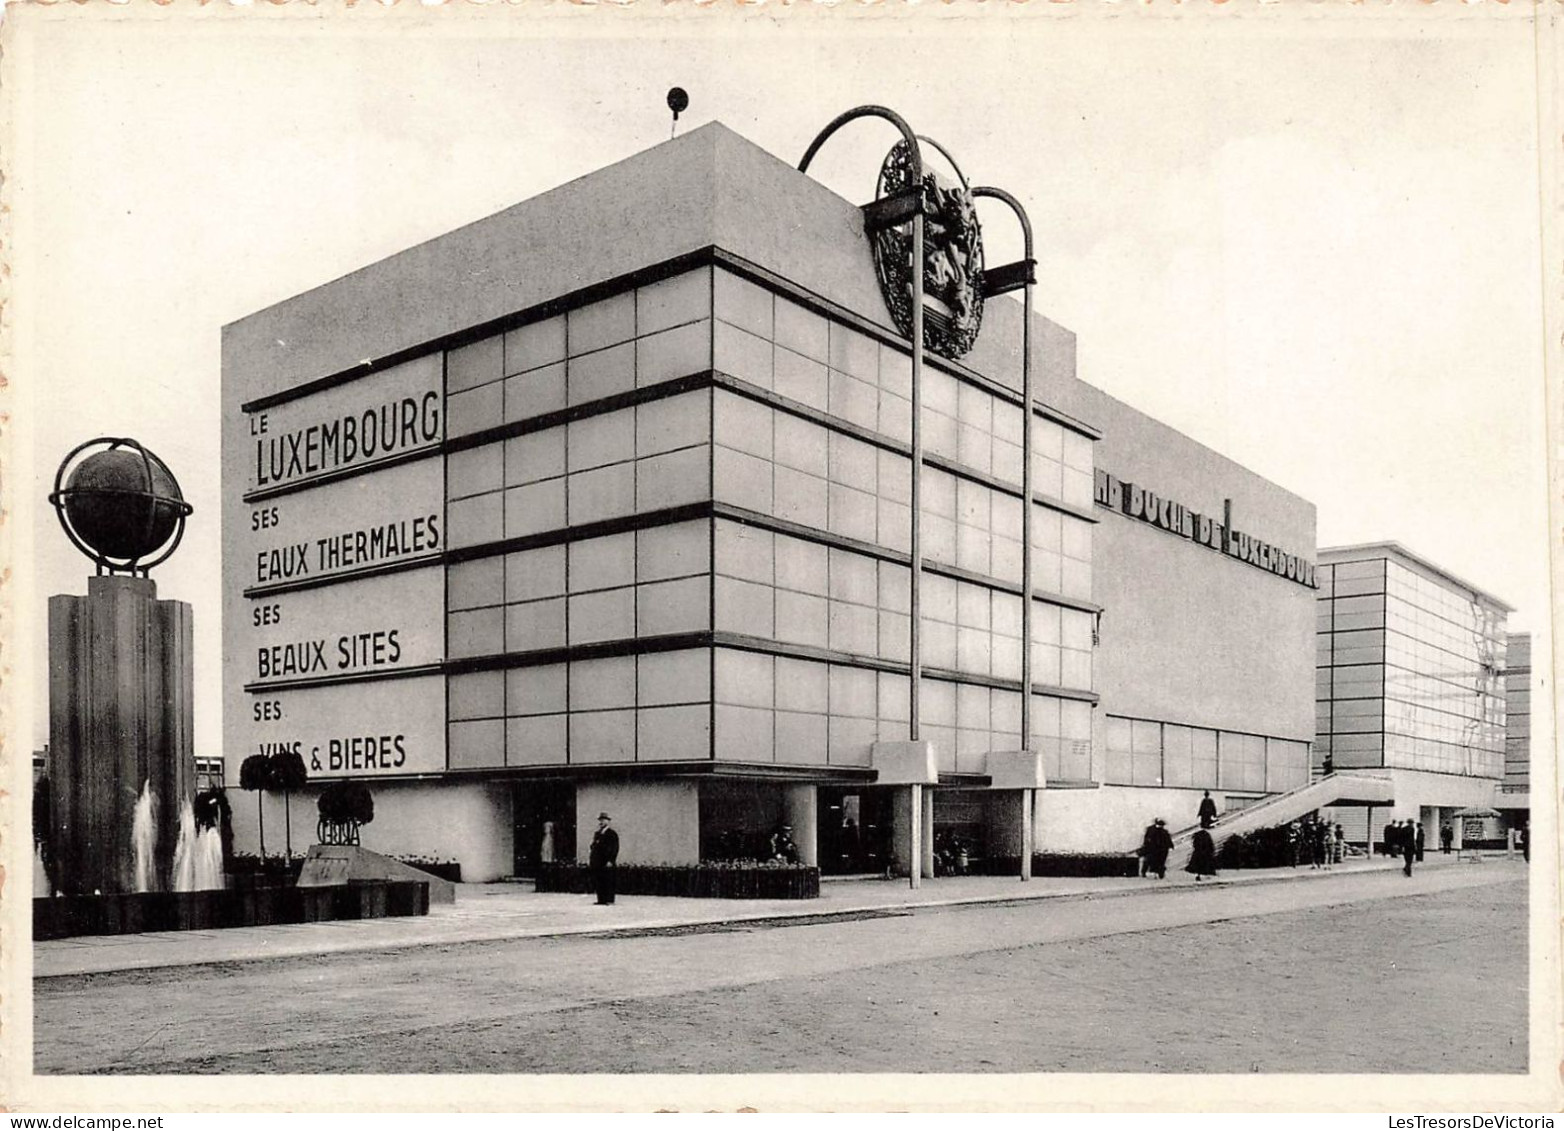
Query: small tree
x=288 y=774
x=344 y=806
x=255 y=774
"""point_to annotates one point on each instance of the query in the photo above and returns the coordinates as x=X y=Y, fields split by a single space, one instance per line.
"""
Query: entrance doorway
x=544 y=820
x=855 y=830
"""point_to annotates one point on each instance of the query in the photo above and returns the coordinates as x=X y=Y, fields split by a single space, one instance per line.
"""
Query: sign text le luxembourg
x=1175 y=518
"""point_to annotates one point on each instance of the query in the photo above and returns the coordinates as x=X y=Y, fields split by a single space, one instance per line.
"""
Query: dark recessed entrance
x=544 y=816
x=855 y=829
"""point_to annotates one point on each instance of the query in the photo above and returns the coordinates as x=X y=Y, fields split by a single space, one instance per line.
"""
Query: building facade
x=1514 y=799
x=1410 y=684
x=568 y=512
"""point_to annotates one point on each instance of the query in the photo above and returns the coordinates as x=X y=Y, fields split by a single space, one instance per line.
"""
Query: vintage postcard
x=841 y=557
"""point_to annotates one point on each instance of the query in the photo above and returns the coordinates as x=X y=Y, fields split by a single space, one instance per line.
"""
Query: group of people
x=1405 y=839
x=1318 y=841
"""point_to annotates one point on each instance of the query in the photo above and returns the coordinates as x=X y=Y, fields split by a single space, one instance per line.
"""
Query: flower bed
x=704 y=881
x=249 y=905
x=443 y=869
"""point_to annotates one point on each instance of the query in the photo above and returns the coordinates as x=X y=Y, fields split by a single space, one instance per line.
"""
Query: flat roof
x=1329 y=554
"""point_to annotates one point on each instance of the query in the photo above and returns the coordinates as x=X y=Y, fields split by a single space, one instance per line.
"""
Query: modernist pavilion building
x=1412 y=686
x=605 y=502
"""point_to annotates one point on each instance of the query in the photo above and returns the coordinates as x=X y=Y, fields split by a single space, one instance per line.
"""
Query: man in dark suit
x=1419 y=842
x=1207 y=811
x=1408 y=847
x=604 y=859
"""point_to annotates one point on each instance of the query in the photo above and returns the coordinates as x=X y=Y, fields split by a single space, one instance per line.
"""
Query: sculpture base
x=121 y=726
x=328 y=864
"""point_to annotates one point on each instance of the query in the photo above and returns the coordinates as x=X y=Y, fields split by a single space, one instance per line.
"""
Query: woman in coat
x=1202 y=856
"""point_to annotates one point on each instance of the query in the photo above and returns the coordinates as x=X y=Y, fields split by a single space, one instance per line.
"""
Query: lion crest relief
x=952 y=260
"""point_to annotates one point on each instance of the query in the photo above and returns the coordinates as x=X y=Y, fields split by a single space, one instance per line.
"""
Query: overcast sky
x=1308 y=242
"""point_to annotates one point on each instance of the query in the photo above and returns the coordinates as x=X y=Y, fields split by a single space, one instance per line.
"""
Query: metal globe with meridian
x=120 y=505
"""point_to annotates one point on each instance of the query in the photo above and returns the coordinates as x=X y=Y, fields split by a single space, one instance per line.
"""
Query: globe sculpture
x=119 y=505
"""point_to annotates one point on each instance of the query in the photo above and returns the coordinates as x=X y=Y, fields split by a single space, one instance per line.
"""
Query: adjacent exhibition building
x=1411 y=686
x=636 y=497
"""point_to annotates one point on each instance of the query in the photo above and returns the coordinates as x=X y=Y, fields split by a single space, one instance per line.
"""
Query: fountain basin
x=134 y=913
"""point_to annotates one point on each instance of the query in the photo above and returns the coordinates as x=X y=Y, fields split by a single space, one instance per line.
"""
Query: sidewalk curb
x=697 y=925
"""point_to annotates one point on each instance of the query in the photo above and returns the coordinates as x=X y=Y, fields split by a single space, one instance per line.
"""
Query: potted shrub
x=255 y=775
x=287 y=773
x=345 y=807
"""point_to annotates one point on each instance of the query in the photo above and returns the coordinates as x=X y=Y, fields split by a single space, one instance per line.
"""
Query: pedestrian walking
x=1317 y=843
x=1202 y=856
x=1446 y=837
x=1340 y=839
x=604 y=860
x=1155 y=845
x=1207 y=811
x=1525 y=839
x=1418 y=840
x=1408 y=848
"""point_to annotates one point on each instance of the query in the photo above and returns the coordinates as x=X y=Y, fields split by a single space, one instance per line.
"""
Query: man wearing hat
x=604 y=857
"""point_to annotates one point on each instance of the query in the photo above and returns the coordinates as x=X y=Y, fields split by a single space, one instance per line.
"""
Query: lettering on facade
x=400 y=425
x=1141 y=503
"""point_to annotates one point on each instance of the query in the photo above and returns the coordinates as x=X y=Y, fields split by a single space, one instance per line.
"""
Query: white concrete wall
x=469 y=822
x=657 y=822
x=1112 y=818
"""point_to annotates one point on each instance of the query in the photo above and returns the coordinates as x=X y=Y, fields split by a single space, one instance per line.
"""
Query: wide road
x=1361 y=973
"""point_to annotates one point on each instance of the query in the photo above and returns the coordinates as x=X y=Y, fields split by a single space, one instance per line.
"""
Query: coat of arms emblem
x=952 y=259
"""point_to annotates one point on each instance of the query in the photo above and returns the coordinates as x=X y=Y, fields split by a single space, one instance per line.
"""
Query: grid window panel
x=535 y=456
x=665 y=678
x=742 y=424
x=744 y=734
x=476 y=745
x=601 y=324
x=534 y=625
x=674 y=301
x=676 y=550
x=535 y=345
x=673 y=479
x=602 y=736
x=534 y=574
x=675 y=353
x=673 y=734
x=802 y=685
x=606 y=615
x=745 y=552
x=474 y=584
x=474 y=410
x=671 y=423
x=743 y=303
x=476 y=471
x=537 y=741
x=535 y=508
x=602 y=563
x=539 y=690
x=606 y=438
x=535 y=393
x=470 y=522
x=668 y=607
x=604 y=373
x=598 y=685
x=601 y=494
x=476 y=633
x=741 y=354
x=744 y=606
x=478 y=695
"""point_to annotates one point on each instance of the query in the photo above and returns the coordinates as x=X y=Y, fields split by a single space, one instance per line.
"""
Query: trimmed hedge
x=248 y=906
x=1094 y=865
x=705 y=881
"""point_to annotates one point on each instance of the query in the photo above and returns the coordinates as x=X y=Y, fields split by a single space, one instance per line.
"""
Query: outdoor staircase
x=1281 y=808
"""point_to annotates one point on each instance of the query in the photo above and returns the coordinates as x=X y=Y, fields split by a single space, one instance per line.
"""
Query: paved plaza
x=1357 y=970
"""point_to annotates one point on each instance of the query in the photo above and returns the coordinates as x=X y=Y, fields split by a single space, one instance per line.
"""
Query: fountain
x=121 y=684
